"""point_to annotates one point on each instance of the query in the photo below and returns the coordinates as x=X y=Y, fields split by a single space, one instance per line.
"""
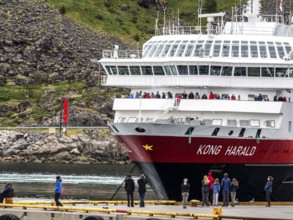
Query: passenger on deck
x=217 y=96
x=191 y=95
x=284 y=99
x=170 y=96
x=137 y=95
x=197 y=96
x=280 y=99
x=211 y=96
x=228 y=97
x=163 y=95
x=153 y=95
x=130 y=96
x=158 y=96
x=239 y=97
x=204 y=96
x=184 y=95
x=147 y=95
x=275 y=98
x=259 y=98
x=233 y=97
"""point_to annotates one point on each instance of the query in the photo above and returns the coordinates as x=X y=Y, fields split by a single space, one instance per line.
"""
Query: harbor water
x=80 y=181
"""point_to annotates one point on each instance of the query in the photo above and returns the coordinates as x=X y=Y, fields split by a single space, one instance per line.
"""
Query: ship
x=209 y=98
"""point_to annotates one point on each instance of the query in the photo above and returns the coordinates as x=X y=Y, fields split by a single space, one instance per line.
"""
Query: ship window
x=168 y=70
x=230 y=133
x=226 y=49
x=287 y=47
x=290 y=126
x=244 y=48
x=207 y=122
x=263 y=51
x=253 y=49
x=189 y=131
x=281 y=51
x=198 y=48
x=148 y=49
x=281 y=72
x=203 y=70
x=134 y=70
x=207 y=47
x=189 y=50
x=240 y=71
x=121 y=119
x=166 y=49
x=227 y=71
x=251 y=97
x=153 y=50
x=272 y=51
x=112 y=70
x=270 y=123
x=216 y=70
x=145 y=50
x=181 y=50
x=133 y=119
x=267 y=71
x=173 y=70
x=254 y=123
x=140 y=130
x=217 y=121
x=193 y=70
x=215 y=132
x=159 y=50
x=257 y=135
x=253 y=71
x=182 y=70
x=158 y=70
x=241 y=134
x=173 y=50
x=244 y=123
x=231 y=122
x=217 y=49
x=290 y=72
x=235 y=49
x=146 y=70
x=123 y=70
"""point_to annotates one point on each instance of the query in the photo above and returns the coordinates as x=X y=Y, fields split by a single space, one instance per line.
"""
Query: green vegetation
x=127 y=19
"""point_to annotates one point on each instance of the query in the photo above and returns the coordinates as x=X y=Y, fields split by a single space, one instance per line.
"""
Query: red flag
x=65 y=111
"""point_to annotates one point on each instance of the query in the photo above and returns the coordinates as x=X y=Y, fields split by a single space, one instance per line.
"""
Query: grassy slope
x=126 y=19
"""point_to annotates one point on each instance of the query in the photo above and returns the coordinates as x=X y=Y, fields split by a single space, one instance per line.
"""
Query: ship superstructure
x=215 y=100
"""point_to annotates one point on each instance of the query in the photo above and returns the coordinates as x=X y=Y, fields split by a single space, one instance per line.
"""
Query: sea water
x=80 y=181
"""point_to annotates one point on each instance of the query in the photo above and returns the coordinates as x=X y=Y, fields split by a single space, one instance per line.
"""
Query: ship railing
x=103 y=79
x=122 y=54
x=187 y=30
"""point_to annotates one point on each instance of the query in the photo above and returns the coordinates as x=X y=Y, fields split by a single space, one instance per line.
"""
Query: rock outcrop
x=90 y=146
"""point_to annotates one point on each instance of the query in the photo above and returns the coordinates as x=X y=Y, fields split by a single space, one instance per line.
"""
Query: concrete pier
x=151 y=211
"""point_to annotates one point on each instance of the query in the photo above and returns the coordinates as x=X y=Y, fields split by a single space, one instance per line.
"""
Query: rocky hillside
x=90 y=146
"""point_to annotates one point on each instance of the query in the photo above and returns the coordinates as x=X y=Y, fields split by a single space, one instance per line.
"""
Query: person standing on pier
x=142 y=189
x=8 y=192
x=211 y=179
x=226 y=188
x=233 y=188
x=185 y=187
x=58 y=190
x=129 y=188
x=216 y=190
x=269 y=190
x=205 y=191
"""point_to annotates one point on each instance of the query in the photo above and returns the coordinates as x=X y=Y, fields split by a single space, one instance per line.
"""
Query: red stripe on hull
x=163 y=149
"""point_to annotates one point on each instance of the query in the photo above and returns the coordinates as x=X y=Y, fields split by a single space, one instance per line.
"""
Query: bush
x=100 y=17
x=62 y=10
x=136 y=37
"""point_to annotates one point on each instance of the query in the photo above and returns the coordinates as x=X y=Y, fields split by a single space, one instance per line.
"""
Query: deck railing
x=120 y=54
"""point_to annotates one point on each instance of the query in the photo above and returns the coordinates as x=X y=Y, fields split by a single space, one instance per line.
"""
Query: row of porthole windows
x=213 y=70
